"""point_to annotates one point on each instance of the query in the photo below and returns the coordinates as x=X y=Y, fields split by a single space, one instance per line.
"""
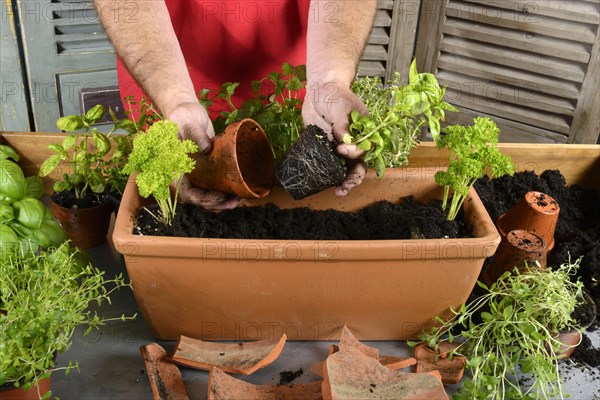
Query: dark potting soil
x=586 y=353
x=382 y=220
x=311 y=165
x=68 y=199
x=287 y=377
x=577 y=231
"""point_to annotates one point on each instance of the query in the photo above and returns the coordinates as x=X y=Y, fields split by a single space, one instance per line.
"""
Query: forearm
x=337 y=34
x=148 y=47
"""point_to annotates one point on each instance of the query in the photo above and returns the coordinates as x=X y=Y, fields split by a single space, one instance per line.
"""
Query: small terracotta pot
x=85 y=227
x=520 y=249
x=36 y=392
x=571 y=339
x=241 y=162
x=536 y=212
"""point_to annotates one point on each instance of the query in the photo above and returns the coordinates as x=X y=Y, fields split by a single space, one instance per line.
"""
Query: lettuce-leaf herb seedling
x=159 y=158
x=396 y=115
x=279 y=112
x=473 y=153
x=88 y=169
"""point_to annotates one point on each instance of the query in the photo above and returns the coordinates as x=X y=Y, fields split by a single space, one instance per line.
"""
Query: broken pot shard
x=451 y=370
x=165 y=378
x=237 y=358
x=349 y=340
x=350 y=374
x=391 y=362
x=224 y=387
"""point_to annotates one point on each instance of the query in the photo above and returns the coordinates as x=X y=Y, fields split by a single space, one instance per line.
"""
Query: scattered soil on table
x=408 y=219
x=287 y=377
x=577 y=231
x=68 y=199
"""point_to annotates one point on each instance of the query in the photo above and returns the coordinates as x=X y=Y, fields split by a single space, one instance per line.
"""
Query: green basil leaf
x=50 y=164
x=6 y=212
x=102 y=143
x=34 y=187
x=70 y=123
x=69 y=141
x=95 y=114
x=54 y=232
x=29 y=212
x=8 y=152
x=12 y=180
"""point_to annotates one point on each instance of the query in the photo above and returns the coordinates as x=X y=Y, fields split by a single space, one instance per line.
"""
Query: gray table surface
x=111 y=366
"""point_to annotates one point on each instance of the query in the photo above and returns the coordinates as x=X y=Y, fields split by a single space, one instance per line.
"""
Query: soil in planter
x=68 y=199
x=311 y=165
x=382 y=220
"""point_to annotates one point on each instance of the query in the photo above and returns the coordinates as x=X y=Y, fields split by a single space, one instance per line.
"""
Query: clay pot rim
x=103 y=204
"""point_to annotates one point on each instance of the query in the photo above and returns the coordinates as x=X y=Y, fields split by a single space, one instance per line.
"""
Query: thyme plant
x=511 y=331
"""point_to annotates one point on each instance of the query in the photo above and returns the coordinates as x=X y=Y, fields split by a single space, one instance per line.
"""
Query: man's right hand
x=194 y=124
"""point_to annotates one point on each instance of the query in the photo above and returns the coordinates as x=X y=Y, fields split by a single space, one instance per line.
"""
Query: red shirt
x=233 y=41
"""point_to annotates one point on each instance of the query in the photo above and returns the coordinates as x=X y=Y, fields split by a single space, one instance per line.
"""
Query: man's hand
x=194 y=124
x=328 y=105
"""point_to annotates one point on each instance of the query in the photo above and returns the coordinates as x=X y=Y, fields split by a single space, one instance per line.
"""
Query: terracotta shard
x=348 y=340
x=238 y=358
x=395 y=363
x=165 y=378
x=350 y=374
x=391 y=362
x=451 y=370
x=224 y=387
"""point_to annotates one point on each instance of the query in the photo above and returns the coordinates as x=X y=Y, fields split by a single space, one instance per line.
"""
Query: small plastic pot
x=518 y=249
x=36 y=392
x=85 y=227
x=536 y=212
x=241 y=162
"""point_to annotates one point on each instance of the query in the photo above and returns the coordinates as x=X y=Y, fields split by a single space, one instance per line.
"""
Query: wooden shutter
x=66 y=51
x=530 y=65
x=391 y=44
x=14 y=109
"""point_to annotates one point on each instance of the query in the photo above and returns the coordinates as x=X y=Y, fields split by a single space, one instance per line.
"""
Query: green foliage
x=511 y=329
x=396 y=115
x=43 y=298
x=473 y=153
x=24 y=220
x=89 y=170
x=279 y=112
x=159 y=158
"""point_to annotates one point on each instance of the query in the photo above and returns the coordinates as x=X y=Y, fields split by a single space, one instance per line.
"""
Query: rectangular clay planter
x=227 y=289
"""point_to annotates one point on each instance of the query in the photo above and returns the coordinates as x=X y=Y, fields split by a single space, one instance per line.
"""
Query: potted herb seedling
x=80 y=201
x=44 y=296
x=473 y=153
x=396 y=116
x=24 y=219
x=510 y=331
x=159 y=158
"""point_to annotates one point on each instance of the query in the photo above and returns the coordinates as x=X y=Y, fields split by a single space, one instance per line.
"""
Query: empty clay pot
x=520 y=249
x=85 y=227
x=34 y=393
x=241 y=162
x=536 y=212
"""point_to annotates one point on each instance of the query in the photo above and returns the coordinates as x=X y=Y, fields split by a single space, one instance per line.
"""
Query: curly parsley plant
x=473 y=153
x=160 y=158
